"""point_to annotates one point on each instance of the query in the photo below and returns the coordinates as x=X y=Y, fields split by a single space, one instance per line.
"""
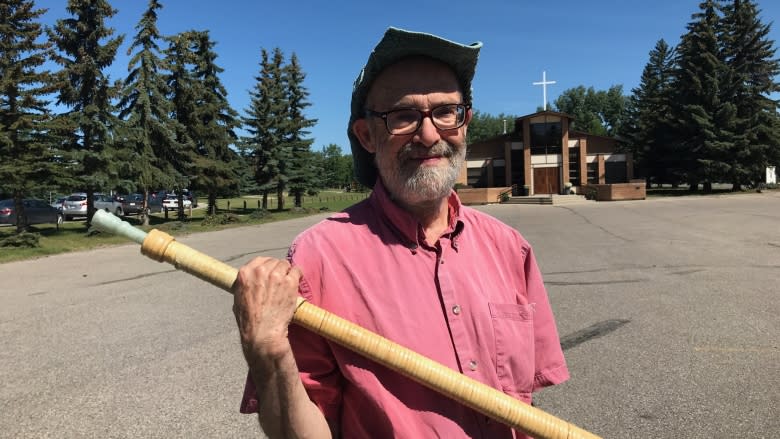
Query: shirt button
x=456 y=309
x=473 y=364
x=442 y=262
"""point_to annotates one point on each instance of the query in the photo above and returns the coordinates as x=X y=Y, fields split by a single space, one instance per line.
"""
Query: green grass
x=682 y=191
x=74 y=236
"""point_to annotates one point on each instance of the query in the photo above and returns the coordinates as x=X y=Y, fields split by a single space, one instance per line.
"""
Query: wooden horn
x=499 y=406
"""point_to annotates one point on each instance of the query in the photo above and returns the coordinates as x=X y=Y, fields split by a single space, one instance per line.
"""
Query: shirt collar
x=403 y=223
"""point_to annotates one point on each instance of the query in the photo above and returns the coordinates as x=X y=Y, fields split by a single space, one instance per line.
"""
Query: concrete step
x=548 y=200
x=570 y=199
x=545 y=199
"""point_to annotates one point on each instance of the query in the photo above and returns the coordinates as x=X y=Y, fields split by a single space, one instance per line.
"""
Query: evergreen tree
x=183 y=89
x=646 y=131
x=750 y=80
x=87 y=91
x=264 y=119
x=27 y=160
x=213 y=131
x=303 y=175
x=698 y=115
x=151 y=134
x=278 y=155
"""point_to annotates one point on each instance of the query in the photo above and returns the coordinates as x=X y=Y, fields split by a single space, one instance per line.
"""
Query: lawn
x=233 y=212
x=682 y=190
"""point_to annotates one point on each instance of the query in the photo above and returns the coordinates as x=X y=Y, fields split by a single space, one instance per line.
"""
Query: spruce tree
x=279 y=155
x=697 y=111
x=27 y=159
x=274 y=153
x=751 y=71
x=213 y=131
x=86 y=90
x=183 y=89
x=151 y=132
x=302 y=173
x=263 y=120
x=647 y=128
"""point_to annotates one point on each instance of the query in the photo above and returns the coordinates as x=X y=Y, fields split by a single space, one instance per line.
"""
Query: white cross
x=544 y=84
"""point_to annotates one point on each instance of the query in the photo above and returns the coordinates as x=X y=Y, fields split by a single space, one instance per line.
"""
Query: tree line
x=704 y=112
x=168 y=124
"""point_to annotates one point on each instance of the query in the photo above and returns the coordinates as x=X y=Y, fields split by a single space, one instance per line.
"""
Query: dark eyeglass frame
x=461 y=109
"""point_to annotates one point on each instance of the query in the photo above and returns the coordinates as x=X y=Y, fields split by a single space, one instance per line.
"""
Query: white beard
x=414 y=185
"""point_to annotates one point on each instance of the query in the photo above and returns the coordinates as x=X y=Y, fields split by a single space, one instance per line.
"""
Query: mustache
x=418 y=151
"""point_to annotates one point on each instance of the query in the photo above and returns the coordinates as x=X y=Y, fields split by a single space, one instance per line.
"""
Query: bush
x=306 y=210
x=175 y=226
x=260 y=214
x=22 y=240
x=590 y=192
x=219 y=220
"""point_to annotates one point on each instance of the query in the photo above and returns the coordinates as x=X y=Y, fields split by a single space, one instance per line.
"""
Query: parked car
x=133 y=204
x=108 y=203
x=37 y=211
x=75 y=205
x=58 y=203
x=171 y=202
x=190 y=195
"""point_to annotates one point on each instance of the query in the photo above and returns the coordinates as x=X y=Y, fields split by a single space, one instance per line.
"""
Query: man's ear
x=469 y=116
x=362 y=131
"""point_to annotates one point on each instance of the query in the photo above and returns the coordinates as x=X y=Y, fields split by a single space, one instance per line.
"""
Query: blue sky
x=595 y=43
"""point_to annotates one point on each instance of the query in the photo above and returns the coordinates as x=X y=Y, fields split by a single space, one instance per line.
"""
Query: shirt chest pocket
x=513 y=332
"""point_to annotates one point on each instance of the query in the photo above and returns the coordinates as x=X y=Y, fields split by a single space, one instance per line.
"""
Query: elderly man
x=410 y=263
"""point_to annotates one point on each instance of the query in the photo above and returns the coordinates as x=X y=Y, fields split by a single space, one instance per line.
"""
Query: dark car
x=37 y=211
x=133 y=204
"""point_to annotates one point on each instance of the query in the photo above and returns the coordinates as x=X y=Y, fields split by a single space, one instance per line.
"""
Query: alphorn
x=499 y=406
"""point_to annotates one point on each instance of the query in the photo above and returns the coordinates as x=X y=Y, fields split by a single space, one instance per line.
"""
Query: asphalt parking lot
x=667 y=311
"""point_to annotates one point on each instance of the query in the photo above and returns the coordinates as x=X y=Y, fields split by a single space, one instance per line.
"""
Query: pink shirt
x=474 y=302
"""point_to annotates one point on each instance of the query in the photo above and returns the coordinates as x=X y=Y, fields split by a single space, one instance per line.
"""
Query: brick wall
x=635 y=190
x=480 y=195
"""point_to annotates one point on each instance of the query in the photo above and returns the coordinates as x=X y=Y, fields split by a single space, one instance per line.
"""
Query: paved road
x=667 y=311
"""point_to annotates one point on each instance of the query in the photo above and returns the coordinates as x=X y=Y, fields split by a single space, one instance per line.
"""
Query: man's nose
x=427 y=135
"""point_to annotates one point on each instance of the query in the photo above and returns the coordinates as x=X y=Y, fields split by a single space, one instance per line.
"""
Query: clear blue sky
x=595 y=43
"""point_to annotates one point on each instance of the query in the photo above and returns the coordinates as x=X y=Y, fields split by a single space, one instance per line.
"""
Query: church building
x=542 y=155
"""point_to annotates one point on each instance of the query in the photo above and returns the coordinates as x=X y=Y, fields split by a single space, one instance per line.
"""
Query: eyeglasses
x=408 y=120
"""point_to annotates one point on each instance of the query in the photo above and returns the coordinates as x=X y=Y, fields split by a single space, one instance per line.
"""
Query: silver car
x=108 y=203
x=75 y=205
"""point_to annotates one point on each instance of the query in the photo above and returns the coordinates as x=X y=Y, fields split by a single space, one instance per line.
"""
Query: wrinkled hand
x=265 y=296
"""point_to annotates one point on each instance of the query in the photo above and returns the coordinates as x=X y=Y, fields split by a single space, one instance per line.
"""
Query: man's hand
x=265 y=295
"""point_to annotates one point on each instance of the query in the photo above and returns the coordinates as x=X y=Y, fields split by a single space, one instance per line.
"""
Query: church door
x=547 y=180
